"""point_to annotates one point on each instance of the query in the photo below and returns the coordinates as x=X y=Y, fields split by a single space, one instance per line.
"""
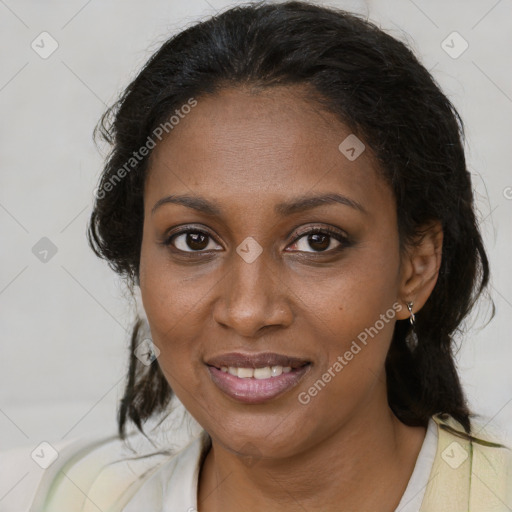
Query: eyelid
x=331 y=230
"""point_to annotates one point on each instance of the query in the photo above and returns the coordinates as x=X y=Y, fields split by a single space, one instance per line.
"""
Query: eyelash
x=344 y=240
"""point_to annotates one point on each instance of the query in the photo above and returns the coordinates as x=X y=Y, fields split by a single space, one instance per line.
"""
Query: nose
x=252 y=298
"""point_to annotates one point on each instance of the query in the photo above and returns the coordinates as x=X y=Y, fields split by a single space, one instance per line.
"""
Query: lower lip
x=256 y=391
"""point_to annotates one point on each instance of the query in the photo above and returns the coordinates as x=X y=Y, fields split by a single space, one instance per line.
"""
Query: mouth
x=237 y=360
x=256 y=378
x=264 y=372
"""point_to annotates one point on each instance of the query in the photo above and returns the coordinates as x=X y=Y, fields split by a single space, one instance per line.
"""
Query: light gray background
x=65 y=323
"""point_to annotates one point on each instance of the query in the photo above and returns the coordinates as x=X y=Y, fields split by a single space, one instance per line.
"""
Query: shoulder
x=22 y=470
x=80 y=474
x=469 y=470
x=480 y=442
x=172 y=486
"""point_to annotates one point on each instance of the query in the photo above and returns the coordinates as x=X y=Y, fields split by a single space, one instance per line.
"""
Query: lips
x=256 y=378
x=240 y=360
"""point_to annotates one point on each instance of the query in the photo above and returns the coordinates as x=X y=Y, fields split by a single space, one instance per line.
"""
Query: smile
x=266 y=372
x=257 y=385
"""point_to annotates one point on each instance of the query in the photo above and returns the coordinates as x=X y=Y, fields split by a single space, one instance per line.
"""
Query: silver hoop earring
x=412 y=318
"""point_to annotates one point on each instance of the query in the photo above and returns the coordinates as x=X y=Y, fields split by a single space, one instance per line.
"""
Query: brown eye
x=319 y=240
x=192 y=241
x=196 y=241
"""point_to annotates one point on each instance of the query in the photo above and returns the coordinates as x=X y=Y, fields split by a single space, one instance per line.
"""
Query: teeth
x=258 y=373
x=245 y=373
x=263 y=373
x=276 y=371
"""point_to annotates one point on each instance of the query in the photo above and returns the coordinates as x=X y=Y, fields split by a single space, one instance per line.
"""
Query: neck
x=365 y=465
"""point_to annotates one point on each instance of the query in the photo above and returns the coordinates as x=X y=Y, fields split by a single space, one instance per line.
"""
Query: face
x=252 y=262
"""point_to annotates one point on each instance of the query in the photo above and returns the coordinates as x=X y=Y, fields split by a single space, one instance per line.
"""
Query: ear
x=420 y=266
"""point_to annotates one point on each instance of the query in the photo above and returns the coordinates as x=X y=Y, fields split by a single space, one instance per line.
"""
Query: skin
x=248 y=151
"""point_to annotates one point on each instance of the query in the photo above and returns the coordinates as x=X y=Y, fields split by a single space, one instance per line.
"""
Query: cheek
x=166 y=298
x=351 y=315
x=372 y=286
x=166 y=291
x=176 y=300
x=169 y=309
x=354 y=344
x=352 y=297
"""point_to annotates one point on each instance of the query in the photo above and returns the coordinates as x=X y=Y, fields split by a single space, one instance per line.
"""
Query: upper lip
x=241 y=360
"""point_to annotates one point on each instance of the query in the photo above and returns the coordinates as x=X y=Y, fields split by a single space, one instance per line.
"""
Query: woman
x=287 y=186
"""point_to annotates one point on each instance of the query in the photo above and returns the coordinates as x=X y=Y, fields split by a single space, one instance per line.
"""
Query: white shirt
x=177 y=482
x=413 y=495
x=174 y=484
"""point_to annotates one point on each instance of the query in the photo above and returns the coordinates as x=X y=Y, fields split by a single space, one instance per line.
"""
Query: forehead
x=242 y=147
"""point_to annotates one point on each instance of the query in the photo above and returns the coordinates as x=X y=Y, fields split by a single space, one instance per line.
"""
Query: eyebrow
x=298 y=204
